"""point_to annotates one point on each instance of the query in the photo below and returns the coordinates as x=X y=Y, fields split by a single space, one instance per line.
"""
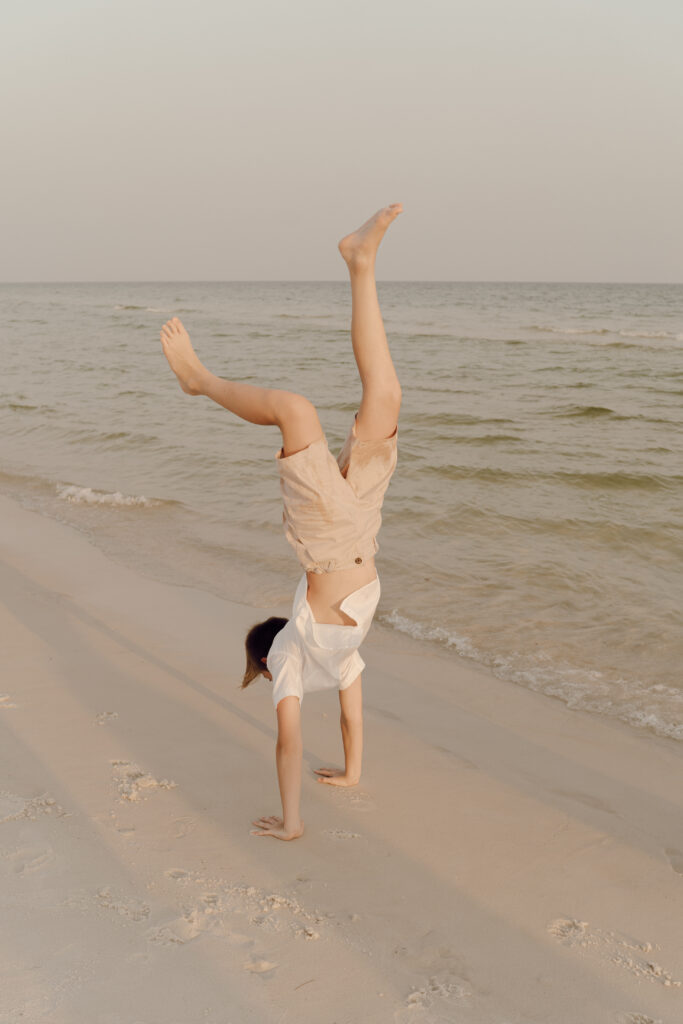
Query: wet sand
x=505 y=860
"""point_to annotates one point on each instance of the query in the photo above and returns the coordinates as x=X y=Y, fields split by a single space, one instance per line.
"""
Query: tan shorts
x=332 y=507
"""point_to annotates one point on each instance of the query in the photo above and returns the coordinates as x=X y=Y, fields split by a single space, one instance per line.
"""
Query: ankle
x=201 y=381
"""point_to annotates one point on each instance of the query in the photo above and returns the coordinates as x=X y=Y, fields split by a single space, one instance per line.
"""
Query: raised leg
x=296 y=417
x=351 y=702
x=381 y=401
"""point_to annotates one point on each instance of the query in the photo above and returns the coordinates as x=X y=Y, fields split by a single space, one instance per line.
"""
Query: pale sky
x=529 y=140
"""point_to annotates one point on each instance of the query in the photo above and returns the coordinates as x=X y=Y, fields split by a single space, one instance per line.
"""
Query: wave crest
x=87 y=496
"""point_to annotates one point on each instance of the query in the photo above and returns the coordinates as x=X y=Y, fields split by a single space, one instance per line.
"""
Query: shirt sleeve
x=351 y=670
x=285 y=668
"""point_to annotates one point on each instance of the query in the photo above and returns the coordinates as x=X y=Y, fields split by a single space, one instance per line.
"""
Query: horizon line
x=302 y=280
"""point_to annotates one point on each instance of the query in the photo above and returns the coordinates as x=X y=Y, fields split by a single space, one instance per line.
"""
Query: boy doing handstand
x=331 y=518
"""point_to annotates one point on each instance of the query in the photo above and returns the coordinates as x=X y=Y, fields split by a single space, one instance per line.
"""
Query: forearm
x=352 y=739
x=289 y=761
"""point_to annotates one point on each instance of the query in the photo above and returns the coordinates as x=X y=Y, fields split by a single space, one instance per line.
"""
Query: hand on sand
x=335 y=777
x=273 y=826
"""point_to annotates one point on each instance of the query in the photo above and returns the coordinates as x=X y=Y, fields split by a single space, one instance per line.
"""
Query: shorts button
x=359 y=561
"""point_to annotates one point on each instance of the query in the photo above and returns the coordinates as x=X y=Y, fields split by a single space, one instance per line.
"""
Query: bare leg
x=351 y=701
x=293 y=414
x=379 y=408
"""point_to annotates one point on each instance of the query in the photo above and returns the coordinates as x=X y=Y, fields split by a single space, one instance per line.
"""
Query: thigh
x=368 y=465
x=377 y=416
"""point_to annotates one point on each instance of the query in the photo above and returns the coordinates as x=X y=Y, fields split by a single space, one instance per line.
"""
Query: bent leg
x=296 y=417
x=381 y=401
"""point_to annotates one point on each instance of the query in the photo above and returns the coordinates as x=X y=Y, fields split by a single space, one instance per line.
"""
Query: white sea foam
x=658 y=708
x=462 y=644
x=87 y=496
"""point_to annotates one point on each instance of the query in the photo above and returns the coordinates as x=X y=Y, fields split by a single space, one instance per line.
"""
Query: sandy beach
x=504 y=860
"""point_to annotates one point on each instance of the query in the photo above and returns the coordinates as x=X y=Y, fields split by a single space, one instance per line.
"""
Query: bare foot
x=182 y=358
x=360 y=247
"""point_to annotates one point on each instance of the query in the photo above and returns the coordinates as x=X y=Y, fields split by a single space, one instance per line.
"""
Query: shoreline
x=389 y=627
x=504 y=857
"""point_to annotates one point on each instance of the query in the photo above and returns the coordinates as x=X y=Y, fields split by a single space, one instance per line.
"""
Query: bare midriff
x=327 y=590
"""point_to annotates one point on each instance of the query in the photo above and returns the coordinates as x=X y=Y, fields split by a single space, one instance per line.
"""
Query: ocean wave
x=547 y=329
x=589 y=410
x=631 y=701
x=87 y=496
x=443 y=419
x=601 y=480
x=593 y=411
x=602 y=331
x=481 y=439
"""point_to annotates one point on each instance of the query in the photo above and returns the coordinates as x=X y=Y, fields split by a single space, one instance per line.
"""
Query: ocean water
x=534 y=523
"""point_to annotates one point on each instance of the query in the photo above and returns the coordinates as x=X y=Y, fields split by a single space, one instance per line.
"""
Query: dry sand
x=505 y=860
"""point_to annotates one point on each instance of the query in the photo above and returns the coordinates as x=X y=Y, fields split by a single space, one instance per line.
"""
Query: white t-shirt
x=307 y=655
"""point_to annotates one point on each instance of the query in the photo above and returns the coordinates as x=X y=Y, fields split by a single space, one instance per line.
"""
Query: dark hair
x=258 y=643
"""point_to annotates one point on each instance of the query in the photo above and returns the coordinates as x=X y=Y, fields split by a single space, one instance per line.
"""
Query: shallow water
x=534 y=521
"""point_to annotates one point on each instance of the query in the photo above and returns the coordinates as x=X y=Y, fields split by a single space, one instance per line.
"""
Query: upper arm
x=289 y=721
x=285 y=665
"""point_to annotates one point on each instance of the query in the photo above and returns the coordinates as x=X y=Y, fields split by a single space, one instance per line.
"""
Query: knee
x=386 y=393
x=291 y=406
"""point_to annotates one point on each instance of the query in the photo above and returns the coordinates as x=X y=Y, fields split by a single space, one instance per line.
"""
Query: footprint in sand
x=613 y=947
x=13 y=807
x=29 y=859
x=637 y=1018
x=182 y=827
x=260 y=966
x=130 y=907
x=177 y=932
x=134 y=783
x=106 y=716
x=675 y=859
x=341 y=833
x=443 y=979
x=357 y=800
x=213 y=910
